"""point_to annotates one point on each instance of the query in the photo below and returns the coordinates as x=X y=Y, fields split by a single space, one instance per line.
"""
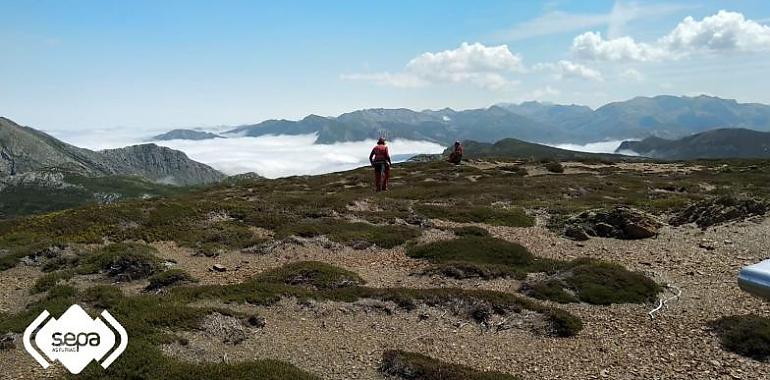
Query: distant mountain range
x=517 y=149
x=185 y=134
x=718 y=143
x=663 y=116
x=24 y=150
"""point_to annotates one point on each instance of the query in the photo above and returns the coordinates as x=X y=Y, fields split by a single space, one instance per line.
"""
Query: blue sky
x=150 y=65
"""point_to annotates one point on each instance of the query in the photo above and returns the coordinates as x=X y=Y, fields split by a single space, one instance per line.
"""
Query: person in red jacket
x=380 y=160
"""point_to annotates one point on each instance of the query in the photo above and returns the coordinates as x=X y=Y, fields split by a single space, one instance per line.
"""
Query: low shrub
x=513 y=217
x=358 y=234
x=595 y=282
x=746 y=335
x=554 y=167
x=474 y=249
x=602 y=283
x=314 y=274
x=552 y=290
x=414 y=366
x=168 y=278
x=470 y=231
x=49 y=280
x=130 y=260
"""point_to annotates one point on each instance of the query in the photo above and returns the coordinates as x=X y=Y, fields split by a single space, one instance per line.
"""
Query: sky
x=74 y=67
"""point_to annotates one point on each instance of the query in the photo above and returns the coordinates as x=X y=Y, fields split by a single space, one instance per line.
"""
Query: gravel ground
x=340 y=341
x=345 y=341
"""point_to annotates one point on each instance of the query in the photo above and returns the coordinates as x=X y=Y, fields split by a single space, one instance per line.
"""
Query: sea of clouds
x=595 y=147
x=269 y=156
x=278 y=156
x=281 y=156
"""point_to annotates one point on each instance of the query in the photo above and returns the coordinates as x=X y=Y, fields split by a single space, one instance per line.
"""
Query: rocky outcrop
x=720 y=210
x=161 y=164
x=620 y=223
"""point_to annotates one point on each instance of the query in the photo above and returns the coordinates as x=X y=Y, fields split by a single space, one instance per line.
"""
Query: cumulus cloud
x=722 y=32
x=568 y=69
x=484 y=66
x=281 y=156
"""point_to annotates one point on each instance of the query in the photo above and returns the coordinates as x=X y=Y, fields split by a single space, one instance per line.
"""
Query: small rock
x=219 y=268
x=7 y=342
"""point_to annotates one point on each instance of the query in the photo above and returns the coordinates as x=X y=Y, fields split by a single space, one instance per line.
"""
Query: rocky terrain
x=467 y=272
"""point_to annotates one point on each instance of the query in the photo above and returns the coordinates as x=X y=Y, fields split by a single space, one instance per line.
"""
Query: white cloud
x=594 y=147
x=280 y=156
x=592 y=46
x=402 y=80
x=632 y=75
x=555 y=21
x=477 y=64
x=568 y=69
x=722 y=32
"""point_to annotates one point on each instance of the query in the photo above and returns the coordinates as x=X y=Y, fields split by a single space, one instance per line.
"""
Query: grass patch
x=49 y=280
x=745 y=335
x=474 y=249
x=514 y=217
x=314 y=274
x=552 y=290
x=414 y=366
x=131 y=261
x=356 y=234
x=595 y=282
x=464 y=270
x=168 y=278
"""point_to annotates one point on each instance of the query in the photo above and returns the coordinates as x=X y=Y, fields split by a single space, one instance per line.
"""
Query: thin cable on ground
x=664 y=301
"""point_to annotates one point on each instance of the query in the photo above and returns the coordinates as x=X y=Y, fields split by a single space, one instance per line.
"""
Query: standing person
x=457 y=154
x=380 y=160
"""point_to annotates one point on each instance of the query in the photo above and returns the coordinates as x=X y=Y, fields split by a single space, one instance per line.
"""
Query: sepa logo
x=75 y=339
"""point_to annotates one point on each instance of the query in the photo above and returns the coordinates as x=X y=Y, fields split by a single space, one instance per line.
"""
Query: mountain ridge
x=713 y=144
x=664 y=116
x=24 y=149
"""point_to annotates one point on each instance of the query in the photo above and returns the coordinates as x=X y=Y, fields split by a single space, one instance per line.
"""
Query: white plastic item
x=755 y=279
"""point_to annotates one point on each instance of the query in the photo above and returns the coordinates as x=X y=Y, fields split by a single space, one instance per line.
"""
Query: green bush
x=463 y=270
x=514 y=217
x=133 y=260
x=554 y=167
x=314 y=274
x=49 y=280
x=470 y=231
x=595 y=282
x=414 y=366
x=602 y=283
x=357 y=234
x=474 y=249
x=746 y=335
x=552 y=290
x=169 y=278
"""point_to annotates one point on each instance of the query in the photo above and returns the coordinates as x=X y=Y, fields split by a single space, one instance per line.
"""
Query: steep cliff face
x=24 y=150
x=161 y=164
